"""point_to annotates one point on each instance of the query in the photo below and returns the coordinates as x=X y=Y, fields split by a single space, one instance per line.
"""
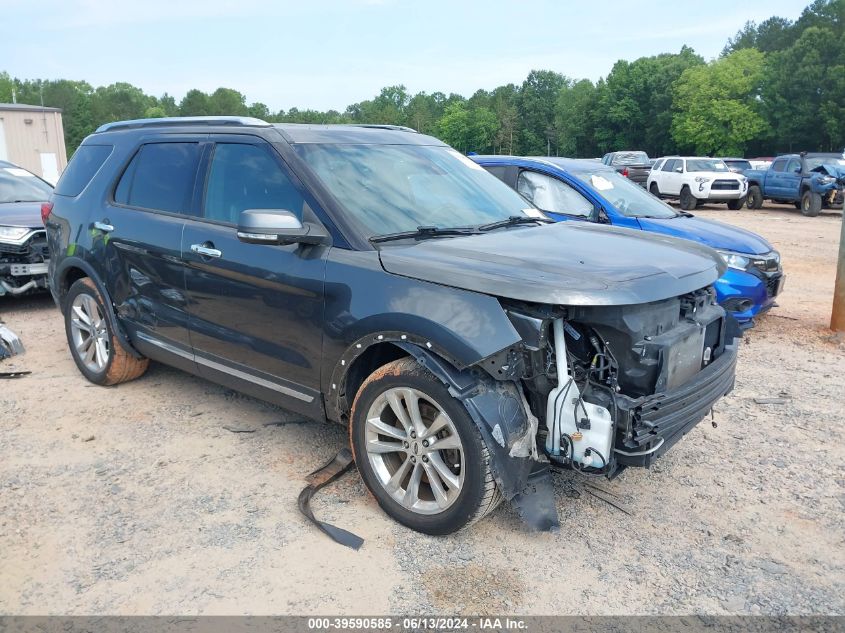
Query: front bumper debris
x=10 y=344
x=651 y=425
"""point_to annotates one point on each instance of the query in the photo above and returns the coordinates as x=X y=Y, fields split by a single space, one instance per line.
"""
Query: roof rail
x=244 y=121
x=385 y=126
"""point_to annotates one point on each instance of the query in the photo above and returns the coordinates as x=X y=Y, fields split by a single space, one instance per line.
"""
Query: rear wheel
x=736 y=205
x=94 y=347
x=654 y=190
x=811 y=204
x=754 y=200
x=688 y=201
x=419 y=452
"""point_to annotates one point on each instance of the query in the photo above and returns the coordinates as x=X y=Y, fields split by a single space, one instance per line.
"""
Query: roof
x=568 y=164
x=22 y=107
x=354 y=134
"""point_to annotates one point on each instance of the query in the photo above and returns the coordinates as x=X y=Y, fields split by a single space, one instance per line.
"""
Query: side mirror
x=797 y=170
x=679 y=170
x=277 y=226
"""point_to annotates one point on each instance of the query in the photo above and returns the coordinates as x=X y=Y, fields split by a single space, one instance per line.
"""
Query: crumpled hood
x=26 y=214
x=708 y=232
x=566 y=263
x=832 y=169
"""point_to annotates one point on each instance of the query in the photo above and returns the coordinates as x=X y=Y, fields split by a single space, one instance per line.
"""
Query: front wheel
x=811 y=204
x=736 y=205
x=754 y=199
x=95 y=349
x=418 y=451
x=654 y=190
x=688 y=201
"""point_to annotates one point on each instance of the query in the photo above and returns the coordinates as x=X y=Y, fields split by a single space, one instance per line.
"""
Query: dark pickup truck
x=810 y=181
x=633 y=165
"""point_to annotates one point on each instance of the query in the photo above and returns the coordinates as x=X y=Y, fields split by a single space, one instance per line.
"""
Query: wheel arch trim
x=60 y=276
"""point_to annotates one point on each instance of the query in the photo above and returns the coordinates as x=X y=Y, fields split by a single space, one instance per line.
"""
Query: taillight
x=46 y=209
x=625 y=172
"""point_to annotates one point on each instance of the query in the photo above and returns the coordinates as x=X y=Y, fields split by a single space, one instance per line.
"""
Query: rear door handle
x=104 y=227
x=206 y=251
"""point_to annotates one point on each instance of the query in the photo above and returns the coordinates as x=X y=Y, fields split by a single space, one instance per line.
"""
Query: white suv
x=696 y=180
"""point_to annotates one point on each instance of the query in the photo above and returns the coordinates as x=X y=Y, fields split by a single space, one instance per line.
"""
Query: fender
x=76 y=262
x=509 y=430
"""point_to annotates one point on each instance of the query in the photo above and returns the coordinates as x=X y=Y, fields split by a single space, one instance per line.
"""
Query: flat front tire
x=93 y=345
x=418 y=451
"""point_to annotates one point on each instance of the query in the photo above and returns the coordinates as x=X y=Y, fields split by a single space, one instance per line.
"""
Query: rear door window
x=779 y=165
x=670 y=164
x=86 y=162
x=244 y=176
x=160 y=177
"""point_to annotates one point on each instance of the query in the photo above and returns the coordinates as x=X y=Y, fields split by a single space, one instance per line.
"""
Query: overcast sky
x=322 y=55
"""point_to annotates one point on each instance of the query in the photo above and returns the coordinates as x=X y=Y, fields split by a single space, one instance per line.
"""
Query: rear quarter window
x=86 y=162
x=160 y=177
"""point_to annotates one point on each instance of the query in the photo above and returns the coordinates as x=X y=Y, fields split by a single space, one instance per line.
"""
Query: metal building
x=33 y=137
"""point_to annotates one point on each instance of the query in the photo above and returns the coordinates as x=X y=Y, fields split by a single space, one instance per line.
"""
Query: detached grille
x=725 y=185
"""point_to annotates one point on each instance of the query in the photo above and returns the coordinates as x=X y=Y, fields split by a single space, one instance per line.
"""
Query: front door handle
x=206 y=251
x=104 y=227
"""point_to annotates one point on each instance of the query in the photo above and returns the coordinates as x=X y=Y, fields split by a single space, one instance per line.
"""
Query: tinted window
x=778 y=165
x=793 y=166
x=550 y=194
x=246 y=177
x=160 y=177
x=19 y=185
x=85 y=163
x=670 y=165
x=498 y=171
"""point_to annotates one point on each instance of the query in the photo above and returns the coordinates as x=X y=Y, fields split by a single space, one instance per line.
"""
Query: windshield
x=18 y=185
x=630 y=158
x=395 y=188
x=628 y=198
x=815 y=161
x=706 y=164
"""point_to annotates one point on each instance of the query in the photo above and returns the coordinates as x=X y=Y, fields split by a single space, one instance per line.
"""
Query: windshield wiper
x=424 y=232
x=514 y=220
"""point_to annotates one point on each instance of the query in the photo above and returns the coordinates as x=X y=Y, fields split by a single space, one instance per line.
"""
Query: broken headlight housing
x=13 y=233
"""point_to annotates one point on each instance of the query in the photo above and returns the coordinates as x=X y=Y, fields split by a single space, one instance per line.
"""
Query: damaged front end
x=593 y=388
x=23 y=260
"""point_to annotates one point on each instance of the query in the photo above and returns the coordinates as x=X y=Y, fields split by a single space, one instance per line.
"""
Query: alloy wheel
x=89 y=333
x=415 y=451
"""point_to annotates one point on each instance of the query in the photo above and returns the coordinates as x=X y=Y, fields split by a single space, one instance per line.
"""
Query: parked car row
x=470 y=328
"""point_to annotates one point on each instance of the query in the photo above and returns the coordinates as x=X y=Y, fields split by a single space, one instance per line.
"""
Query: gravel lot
x=135 y=500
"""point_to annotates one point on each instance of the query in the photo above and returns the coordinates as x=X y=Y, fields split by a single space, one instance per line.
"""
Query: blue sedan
x=587 y=191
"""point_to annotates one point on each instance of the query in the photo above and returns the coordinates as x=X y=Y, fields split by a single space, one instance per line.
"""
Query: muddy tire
x=95 y=349
x=811 y=204
x=688 y=201
x=754 y=199
x=418 y=451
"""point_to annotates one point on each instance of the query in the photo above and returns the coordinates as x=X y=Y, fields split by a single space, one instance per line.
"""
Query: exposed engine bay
x=23 y=263
x=615 y=386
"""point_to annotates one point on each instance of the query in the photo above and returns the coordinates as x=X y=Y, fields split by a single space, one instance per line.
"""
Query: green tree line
x=777 y=86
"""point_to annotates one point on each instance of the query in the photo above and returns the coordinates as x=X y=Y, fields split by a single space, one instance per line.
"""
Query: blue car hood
x=709 y=232
x=25 y=214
